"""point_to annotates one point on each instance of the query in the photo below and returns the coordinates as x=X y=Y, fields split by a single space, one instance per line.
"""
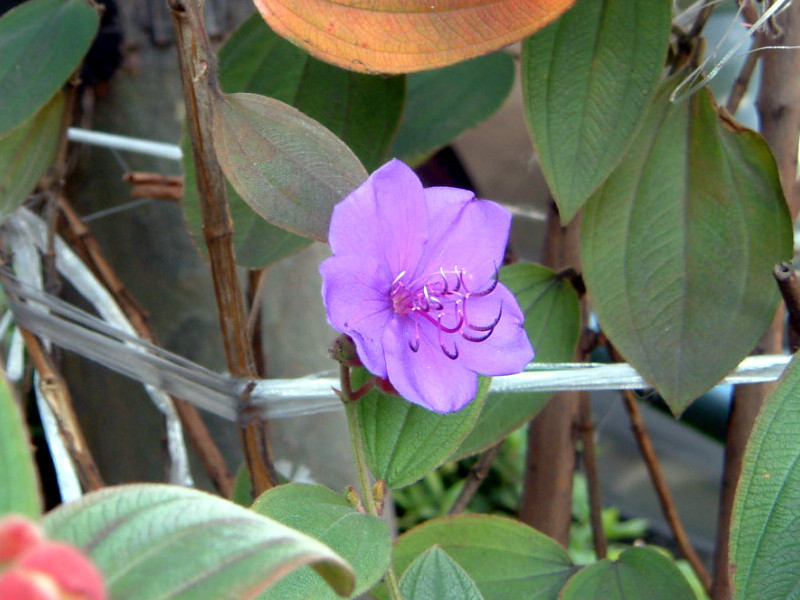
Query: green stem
x=362 y=470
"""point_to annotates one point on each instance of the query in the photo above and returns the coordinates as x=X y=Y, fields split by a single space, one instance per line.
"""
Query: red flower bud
x=38 y=569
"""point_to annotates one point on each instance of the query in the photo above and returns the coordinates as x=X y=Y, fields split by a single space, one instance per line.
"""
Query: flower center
x=441 y=299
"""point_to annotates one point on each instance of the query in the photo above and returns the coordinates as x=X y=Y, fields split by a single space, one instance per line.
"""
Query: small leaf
x=679 y=244
x=26 y=153
x=588 y=80
x=361 y=539
x=403 y=441
x=42 y=42
x=765 y=528
x=258 y=243
x=504 y=558
x=637 y=573
x=286 y=166
x=434 y=575
x=401 y=36
x=363 y=110
x=154 y=542
x=436 y=113
x=19 y=482
x=553 y=323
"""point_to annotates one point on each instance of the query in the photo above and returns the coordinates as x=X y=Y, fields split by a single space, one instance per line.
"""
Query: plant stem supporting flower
x=362 y=471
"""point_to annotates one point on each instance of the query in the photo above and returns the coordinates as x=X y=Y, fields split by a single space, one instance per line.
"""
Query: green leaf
x=19 y=482
x=504 y=558
x=42 y=42
x=765 y=530
x=363 y=110
x=588 y=79
x=435 y=576
x=679 y=244
x=257 y=242
x=286 y=166
x=403 y=441
x=154 y=542
x=442 y=103
x=553 y=323
x=637 y=573
x=361 y=539
x=26 y=153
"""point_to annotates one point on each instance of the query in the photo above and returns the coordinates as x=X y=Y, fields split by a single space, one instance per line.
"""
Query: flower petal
x=384 y=218
x=466 y=233
x=357 y=303
x=507 y=350
x=426 y=377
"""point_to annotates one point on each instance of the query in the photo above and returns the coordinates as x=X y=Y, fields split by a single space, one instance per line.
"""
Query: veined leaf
x=434 y=575
x=638 y=573
x=286 y=166
x=505 y=558
x=361 y=539
x=403 y=441
x=154 y=542
x=588 y=79
x=765 y=530
x=679 y=243
x=401 y=36
x=42 y=42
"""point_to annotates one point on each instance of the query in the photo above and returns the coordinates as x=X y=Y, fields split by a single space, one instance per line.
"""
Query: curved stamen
x=451 y=355
x=491 y=325
x=489 y=329
x=476 y=339
x=439 y=325
x=488 y=290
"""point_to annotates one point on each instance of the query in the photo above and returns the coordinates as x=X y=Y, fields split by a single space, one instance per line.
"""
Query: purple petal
x=426 y=377
x=357 y=304
x=464 y=233
x=507 y=350
x=385 y=218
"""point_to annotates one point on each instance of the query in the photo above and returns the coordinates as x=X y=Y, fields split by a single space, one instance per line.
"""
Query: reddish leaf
x=401 y=36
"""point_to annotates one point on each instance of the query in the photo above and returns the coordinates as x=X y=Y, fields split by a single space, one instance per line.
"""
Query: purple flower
x=413 y=281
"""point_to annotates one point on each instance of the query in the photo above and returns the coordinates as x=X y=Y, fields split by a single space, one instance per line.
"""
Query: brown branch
x=778 y=107
x=789 y=286
x=546 y=502
x=778 y=100
x=586 y=428
x=476 y=477
x=196 y=430
x=198 y=73
x=57 y=395
x=662 y=490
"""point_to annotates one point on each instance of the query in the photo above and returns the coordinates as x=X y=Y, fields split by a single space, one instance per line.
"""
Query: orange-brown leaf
x=401 y=36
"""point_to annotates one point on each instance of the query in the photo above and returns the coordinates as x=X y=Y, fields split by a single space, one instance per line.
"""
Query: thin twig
x=84 y=241
x=56 y=393
x=742 y=82
x=198 y=74
x=592 y=478
x=662 y=490
x=476 y=477
x=155 y=185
